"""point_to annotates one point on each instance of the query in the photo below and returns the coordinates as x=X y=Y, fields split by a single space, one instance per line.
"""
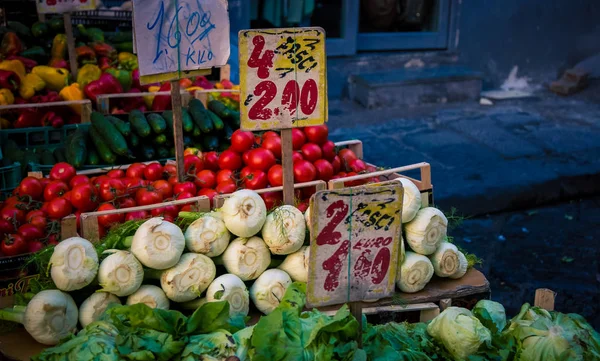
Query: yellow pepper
x=55 y=78
x=72 y=92
x=15 y=66
x=193 y=89
x=87 y=74
x=4 y=123
x=30 y=85
x=6 y=97
x=148 y=99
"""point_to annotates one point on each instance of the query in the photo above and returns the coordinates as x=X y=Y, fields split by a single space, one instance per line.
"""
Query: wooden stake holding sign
x=354 y=245
x=177 y=39
x=283 y=81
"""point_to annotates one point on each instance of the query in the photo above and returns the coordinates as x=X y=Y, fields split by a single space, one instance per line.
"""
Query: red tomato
x=44 y=208
x=164 y=188
x=79 y=179
x=136 y=215
x=339 y=175
x=245 y=157
x=169 y=170
x=328 y=149
x=226 y=187
x=324 y=170
x=144 y=197
x=304 y=171
x=34 y=246
x=192 y=164
x=31 y=214
x=29 y=232
x=52 y=239
x=211 y=161
x=67 y=196
x=273 y=143
x=111 y=189
x=32 y=187
x=44 y=182
x=173 y=180
x=357 y=166
x=307 y=192
x=346 y=156
x=303 y=206
x=354 y=183
x=55 y=189
x=298 y=138
x=184 y=187
x=272 y=199
x=84 y=197
x=39 y=222
x=185 y=195
x=166 y=211
x=230 y=160
x=257 y=179
x=261 y=159
x=268 y=134
x=108 y=220
x=207 y=192
x=116 y=173
x=206 y=179
x=62 y=171
x=245 y=172
x=297 y=156
x=59 y=208
x=311 y=152
x=337 y=164
x=6 y=227
x=126 y=202
x=136 y=170
x=317 y=134
x=241 y=141
x=132 y=184
x=96 y=181
x=13 y=245
x=275 y=175
x=153 y=172
x=224 y=175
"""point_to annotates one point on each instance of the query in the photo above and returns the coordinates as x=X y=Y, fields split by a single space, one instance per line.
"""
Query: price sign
x=282 y=78
x=354 y=245
x=175 y=38
x=64 y=6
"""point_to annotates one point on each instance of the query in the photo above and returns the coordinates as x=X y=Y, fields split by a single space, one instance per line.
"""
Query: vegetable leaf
x=142 y=316
x=213 y=316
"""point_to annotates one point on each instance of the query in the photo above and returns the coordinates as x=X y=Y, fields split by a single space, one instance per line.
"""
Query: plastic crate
x=10 y=177
x=40 y=137
x=107 y=20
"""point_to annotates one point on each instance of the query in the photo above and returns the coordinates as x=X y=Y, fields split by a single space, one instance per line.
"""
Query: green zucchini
x=210 y=142
x=228 y=131
x=103 y=149
x=162 y=152
x=139 y=123
x=196 y=132
x=219 y=109
x=157 y=123
x=217 y=122
x=187 y=141
x=109 y=133
x=92 y=157
x=234 y=119
x=76 y=149
x=122 y=126
x=47 y=158
x=200 y=116
x=160 y=139
x=59 y=155
x=147 y=152
x=134 y=140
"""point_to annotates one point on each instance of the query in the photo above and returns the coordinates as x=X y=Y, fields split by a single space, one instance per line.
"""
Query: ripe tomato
x=205 y=179
x=241 y=141
x=245 y=172
x=272 y=199
x=304 y=171
x=111 y=189
x=296 y=156
x=211 y=161
x=229 y=159
x=298 y=138
x=273 y=143
x=261 y=159
x=192 y=151
x=39 y=222
x=116 y=173
x=173 y=180
x=126 y=202
x=226 y=187
x=6 y=227
x=185 y=195
x=13 y=245
x=257 y=179
x=55 y=189
x=324 y=170
x=224 y=175
x=307 y=192
x=337 y=164
x=275 y=175
x=144 y=197
x=29 y=232
x=357 y=166
x=317 y=134
x=192 y=164
x=32 y=187
x=78 y=179
x=207 y=192
x=136 y=215
x=164 y=188
x=136 y=170
x=245 y=157
x=62 y=171
x=108 y=220
x=169 y=170
x=52 y=239
x=34 y=213
x=67 y=196
x=44 y=182
x=328 y=149
x=132 y=184
x=153 y=172
x=371 y=168
x=96 y=181
x=346 y=156
x=84 y=197
x=166 y=211
x=303 y=206
x=311 y=152
x=268 y=134
x=354 y=183
x=184 y=187
x=59 y=208
x=34 y=246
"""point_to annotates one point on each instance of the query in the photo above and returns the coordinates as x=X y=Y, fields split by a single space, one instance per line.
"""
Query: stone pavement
x=510 y=155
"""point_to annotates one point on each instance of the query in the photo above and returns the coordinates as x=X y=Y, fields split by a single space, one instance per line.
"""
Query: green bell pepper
x=36 y=53
x=122 y=75
x=40 y=30
x=94 y=35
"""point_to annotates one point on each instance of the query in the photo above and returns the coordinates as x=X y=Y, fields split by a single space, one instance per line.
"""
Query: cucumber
x=147 y=152
x=160 y=139
x=168 y=117
x=217 y=122
x=122 y=126
x=234 y=119
x=196 y=132
x=109 y=133
x=104 y=151
x=139 y=123
x=162 y=152
x=76 y=149
x=92 y=157
x=219 y=109
x=157 y=123
x=59 y=155
x=200 y=116
x=187 y=141
x=134 y=140
x=47 y=158
x=186 y=120
x=228 y=132
x=210 y=142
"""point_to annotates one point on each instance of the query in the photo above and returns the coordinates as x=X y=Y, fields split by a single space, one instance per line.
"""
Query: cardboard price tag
x=64 y=6
x=354 y=244
x=283 y=78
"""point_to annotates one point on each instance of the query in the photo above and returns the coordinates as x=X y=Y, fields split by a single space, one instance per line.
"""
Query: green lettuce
x=215 y=346
x=242 y=341
x=491 y=314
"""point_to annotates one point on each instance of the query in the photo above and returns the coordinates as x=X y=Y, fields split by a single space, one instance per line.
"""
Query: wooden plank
x=391 y=308
x=225 y=72
x=86 y=112
x=177 y=129
x=357 y=312
x=105 y=99
x=445 y=303
x=4 y=108
x=68 y=227
x=544 y=298
x=218 y=200
x=339 y=183
x=70 y=44
x=288 y=166
x=203 y=97
x=428 y=315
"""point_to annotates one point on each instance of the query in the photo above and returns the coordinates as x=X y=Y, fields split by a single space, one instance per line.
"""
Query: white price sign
x=180 y=36
x=64 y=6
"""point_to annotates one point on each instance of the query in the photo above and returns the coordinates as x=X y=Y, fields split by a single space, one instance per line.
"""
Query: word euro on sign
x=354 y=244
x=282 y=78
x=64 y=6
x=179 y=36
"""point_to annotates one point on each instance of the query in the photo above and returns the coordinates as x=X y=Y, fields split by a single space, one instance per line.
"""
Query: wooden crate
x=103 y=101
x=86 y=107
x=202 y=95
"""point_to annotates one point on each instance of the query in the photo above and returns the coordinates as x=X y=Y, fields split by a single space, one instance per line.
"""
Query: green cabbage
x=459 y=331
x=215 y=346
x=491 y=314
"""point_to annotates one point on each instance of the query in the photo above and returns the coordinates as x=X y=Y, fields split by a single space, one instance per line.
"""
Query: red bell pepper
x=52 y=119
x=107 y=84
x=9 y=80
x=28 y=118
x=162 y=102
x=129 y=104
x=104 y=63
x=59 y=63
x=202 y=82
x=104 y=50
x=135 y=79
x=11 y=44
x=29 y=63
x=85 y=55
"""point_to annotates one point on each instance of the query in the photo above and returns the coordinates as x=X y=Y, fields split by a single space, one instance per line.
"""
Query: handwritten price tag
x=355 y=238
x=64 y=6
x=282 y=78
x=180 y=36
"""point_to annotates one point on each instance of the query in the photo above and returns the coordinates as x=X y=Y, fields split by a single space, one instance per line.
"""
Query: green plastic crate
x=40 y=137
x=10 y=177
